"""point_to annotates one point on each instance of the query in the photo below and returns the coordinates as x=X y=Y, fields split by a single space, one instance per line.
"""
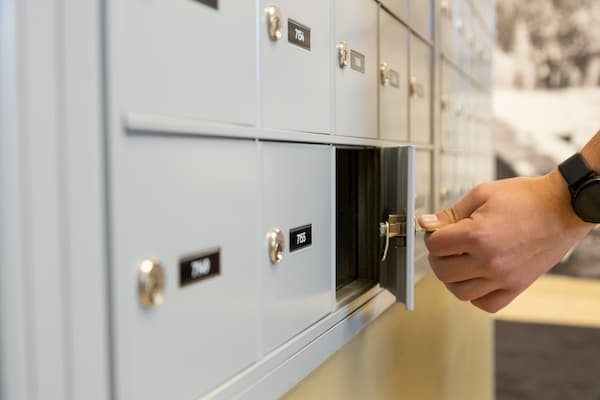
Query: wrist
x=558 y=189
x=591 y=153
x=591 y=158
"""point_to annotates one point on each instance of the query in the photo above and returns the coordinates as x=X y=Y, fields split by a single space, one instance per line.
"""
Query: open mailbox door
x=397 y=223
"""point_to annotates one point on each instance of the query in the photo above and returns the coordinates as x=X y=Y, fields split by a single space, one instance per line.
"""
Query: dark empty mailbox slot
x=357 y=202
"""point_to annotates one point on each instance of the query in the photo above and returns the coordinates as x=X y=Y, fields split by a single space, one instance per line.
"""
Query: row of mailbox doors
x=465 y=38
x=186 y=59
x=203 y=210
x=466 y=115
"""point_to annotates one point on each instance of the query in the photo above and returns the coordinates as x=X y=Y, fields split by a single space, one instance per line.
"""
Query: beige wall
x=444 y=350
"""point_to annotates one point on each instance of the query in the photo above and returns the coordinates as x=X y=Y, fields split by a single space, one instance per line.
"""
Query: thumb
x=461 y=210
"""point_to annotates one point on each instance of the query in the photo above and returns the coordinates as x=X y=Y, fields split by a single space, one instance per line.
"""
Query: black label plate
x=200 y=266
x=298 y=34
x=211 y=3
x=300 y=237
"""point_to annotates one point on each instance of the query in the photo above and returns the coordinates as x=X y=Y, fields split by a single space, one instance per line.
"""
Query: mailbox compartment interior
x=357 y=200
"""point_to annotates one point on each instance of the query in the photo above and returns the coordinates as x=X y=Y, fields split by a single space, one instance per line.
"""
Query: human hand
x=497 y=240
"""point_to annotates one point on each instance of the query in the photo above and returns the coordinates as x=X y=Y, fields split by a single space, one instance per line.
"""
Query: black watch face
x=587 y=201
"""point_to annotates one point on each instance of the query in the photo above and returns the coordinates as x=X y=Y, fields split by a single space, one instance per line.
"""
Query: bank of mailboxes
x=466 y=37
x=225 y=249
x=466 y=142
x=215 y=270
x=217 y=81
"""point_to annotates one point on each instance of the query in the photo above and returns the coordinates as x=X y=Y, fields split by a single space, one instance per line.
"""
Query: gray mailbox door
x=397 y=225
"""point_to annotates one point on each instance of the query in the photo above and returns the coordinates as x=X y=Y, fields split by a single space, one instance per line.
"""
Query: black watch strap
x=574 y=170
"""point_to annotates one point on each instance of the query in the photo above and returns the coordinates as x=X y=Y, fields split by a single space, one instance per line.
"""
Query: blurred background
x=547 y=106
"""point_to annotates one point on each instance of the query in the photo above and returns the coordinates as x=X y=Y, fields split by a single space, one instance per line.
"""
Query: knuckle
x=479 y=190
x=494 y=303
x=477 y=237
x=487 y=306
x=459 y=291
x=481 y=239
x=439 y=273
x=442 y=273
x=430 y=244
x=462 y=295
x=495 y=266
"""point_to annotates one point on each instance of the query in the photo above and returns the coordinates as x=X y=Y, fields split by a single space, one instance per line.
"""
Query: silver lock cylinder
x=275 y=246
x=274 y=23
x=342 y=48
x=416 y=88
x=151 y=283
x=384 y=72
x=445 y=102
x=445 y=8
x=413 y=86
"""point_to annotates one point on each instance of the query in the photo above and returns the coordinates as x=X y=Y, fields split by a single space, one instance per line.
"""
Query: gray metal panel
x=459 y=31
x=468 y=37
x=174 y=197
x=296 y=191
x=185 y=59
x=421 y=17
x=356 y=92
x=54 y=334
x=446 y=12
x=84 y=226
x=40 y=131
x=393 y=99
x=423 y=203
x=15 y=360
x=398 y=8
x=421 y=68
x=398 y=198
x=448 y=179
x=449 y=77
x=295 y=83
x=465 y=141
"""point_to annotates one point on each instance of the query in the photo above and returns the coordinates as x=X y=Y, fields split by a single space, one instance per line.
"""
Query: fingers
x=455 y=268
x=472 y=289
x=461 y=210
x=468 y=204
x=454 y=239
x=495 y=301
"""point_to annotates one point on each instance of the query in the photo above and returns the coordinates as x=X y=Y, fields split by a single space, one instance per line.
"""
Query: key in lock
x=394 y=227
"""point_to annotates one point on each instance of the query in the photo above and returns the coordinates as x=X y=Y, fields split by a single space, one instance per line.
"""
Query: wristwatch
x=584 y=185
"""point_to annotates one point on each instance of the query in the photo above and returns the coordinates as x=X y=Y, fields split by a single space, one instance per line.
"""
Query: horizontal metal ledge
x=144 y=123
